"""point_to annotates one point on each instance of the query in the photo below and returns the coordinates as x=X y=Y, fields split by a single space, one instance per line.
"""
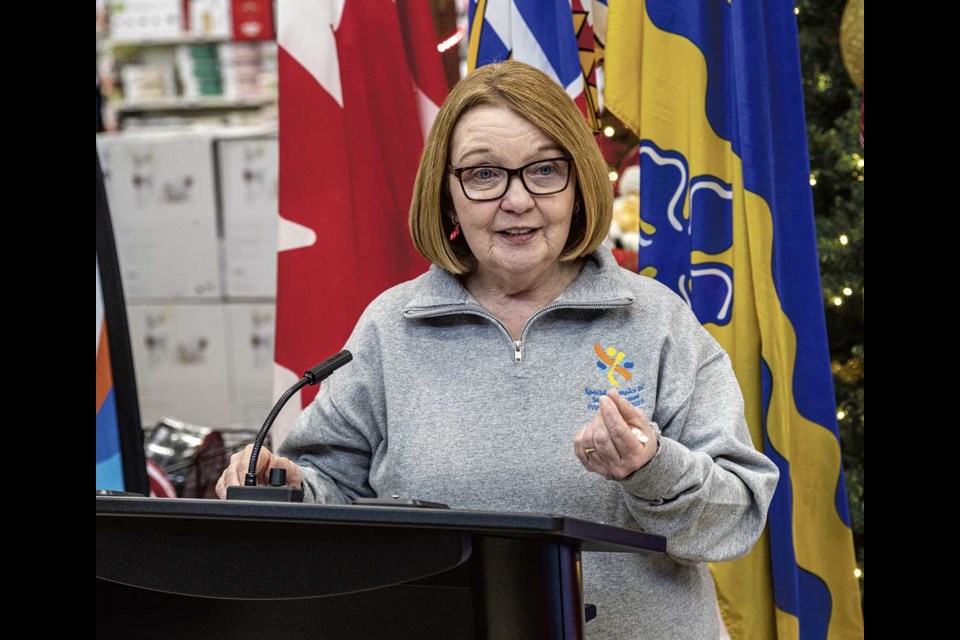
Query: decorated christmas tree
x=831 y=49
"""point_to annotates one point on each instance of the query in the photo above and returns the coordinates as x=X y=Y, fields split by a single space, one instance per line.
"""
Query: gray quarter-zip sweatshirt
x=441 y=404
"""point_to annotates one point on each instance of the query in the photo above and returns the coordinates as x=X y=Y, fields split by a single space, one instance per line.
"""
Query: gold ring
x=589 y=450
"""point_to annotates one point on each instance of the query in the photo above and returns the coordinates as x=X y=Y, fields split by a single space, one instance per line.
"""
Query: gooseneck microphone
x=277 y=489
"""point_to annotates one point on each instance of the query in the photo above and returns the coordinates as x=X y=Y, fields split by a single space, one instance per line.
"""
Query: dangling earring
x=456 y=229
x=576 y=213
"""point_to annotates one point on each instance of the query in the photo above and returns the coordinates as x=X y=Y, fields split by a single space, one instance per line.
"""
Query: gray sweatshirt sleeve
x=709 y=489
x=334 y=439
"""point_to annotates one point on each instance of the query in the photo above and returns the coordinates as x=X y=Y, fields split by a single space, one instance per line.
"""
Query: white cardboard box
x=249 y=170
x=180 y=360
x=146 y=19
x=210 y=18
x=160 y=188
x=250 y=339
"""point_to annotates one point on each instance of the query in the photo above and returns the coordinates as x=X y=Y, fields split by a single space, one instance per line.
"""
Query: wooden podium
x=212 y=569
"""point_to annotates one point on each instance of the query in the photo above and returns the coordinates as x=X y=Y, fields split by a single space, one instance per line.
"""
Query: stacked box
x=160 y=188
x=250 y=336
x=147 y=82
x=137 y=20
x=248 y=176
x=210 y=18
x=199 y=71
x=195 y=216
x=180 y=360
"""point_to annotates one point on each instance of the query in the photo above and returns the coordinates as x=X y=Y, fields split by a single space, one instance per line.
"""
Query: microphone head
x=320 y=372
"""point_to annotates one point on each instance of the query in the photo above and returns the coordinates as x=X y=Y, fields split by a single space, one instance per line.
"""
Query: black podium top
x=239 y=569
x=592 y=536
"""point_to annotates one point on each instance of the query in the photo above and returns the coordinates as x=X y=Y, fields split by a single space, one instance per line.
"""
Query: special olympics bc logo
x=614 y=363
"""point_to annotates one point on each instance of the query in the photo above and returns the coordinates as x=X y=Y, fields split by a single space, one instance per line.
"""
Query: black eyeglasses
x=541 y=178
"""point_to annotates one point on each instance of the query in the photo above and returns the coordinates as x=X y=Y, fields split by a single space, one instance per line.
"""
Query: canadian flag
x=360 y=84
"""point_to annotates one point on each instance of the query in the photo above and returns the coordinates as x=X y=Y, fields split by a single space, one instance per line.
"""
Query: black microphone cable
x=313 y=376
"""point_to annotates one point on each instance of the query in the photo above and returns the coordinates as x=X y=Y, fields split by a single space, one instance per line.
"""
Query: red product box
x=252 y=20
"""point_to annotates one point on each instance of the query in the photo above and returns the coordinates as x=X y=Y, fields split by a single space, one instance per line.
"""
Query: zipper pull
x=517 y=352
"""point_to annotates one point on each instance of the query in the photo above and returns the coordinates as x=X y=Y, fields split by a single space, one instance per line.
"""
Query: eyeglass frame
x=458 y=172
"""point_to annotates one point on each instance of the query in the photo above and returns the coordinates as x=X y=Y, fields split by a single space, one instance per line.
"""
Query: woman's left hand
x=610 y=445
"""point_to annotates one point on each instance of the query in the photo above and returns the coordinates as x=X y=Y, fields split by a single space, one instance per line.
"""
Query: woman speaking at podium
x=527 y=372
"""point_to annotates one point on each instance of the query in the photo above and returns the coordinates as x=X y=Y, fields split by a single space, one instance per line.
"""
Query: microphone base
x=265 y=494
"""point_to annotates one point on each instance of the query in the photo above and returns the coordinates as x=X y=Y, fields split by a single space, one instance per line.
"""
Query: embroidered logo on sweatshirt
x=634 y=396
x=615 y=367
x=614 y=363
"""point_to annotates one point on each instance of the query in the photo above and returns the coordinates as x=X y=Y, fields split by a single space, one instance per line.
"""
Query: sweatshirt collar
x=600 y=284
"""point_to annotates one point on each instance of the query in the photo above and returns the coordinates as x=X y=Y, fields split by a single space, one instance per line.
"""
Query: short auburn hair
x=534 y=96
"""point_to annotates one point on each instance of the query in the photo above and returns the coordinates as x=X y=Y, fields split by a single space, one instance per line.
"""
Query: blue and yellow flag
x=713 y=90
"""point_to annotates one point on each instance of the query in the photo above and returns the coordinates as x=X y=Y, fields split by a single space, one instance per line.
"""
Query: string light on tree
x=841 y=414
x=613 y=176
x=813 y=180
x=849 y=372
x=844 y=240
x=609 y=131
x=837 y=301
x=796 y=11
x=857 y=573
x=847 y=291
